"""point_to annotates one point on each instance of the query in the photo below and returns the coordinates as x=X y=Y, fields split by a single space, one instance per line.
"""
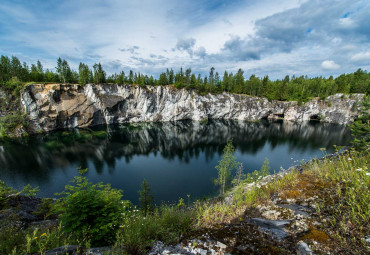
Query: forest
x=13 y=73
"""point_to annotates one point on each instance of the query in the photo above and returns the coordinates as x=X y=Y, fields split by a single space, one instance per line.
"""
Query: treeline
x=301 y=88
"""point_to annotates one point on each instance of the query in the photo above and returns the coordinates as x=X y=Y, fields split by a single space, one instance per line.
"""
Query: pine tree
x=360 y=129
x=146 y=198
x=99 y=74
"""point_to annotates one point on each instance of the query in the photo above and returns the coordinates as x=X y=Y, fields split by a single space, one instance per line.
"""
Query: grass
x=340 y=185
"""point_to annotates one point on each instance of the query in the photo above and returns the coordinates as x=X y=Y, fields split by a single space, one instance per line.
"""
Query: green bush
x=360 y=129
x=91 y=211
x=5 y=191
x=14 y=85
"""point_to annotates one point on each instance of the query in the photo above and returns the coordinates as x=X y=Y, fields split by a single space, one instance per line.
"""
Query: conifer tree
x=146 y=198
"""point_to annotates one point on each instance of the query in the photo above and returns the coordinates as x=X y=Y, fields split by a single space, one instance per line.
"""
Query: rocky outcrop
x=54 y=106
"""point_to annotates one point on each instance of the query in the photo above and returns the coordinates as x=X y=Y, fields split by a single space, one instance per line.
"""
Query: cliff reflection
x=35 y=157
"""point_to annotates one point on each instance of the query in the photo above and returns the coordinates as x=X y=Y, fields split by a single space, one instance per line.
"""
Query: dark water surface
x=177 y=158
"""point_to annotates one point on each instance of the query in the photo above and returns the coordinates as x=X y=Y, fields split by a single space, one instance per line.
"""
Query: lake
x=176 y=158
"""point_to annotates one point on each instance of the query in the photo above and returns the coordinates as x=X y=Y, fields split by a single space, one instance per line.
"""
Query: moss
x=316 y=235
x=290 y=194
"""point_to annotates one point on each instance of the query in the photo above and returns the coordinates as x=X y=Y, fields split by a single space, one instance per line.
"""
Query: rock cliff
x=54 y=106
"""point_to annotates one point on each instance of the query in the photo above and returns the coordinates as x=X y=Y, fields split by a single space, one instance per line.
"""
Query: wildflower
x=368 y=174
x=35 y=237
x=121 y=226
x=359 y=169
x=349 y=159
x=44 y=234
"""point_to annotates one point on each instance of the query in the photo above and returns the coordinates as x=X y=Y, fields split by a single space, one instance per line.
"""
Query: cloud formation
x=299 y=37
x=131 y=49
x=186 y=45
x=330 y=65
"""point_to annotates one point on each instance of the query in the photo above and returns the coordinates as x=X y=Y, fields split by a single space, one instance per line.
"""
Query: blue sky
x=313 y=37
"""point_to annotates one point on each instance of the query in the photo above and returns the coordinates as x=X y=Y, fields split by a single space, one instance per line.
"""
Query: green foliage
x=299 y=89
x=239 y=175
x=91 y=211
x=167 y=224
x=258 y=174
x=265 y=168
x=11 y=121
x=28 y=190
x=5 y=191
x=30 y=240
x=84 y=74
x=225 y=167
x=65 y=73
x=46 y=209
x=14 y=85
x=360 y=129
x=146 y=198
x=181 y=203
x=99 y=74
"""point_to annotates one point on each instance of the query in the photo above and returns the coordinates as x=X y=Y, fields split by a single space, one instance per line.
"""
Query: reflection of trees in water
x=182 y=140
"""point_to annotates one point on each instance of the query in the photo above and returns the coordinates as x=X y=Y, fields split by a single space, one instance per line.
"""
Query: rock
x=25 y=204
x=157 y=248
x=202 y=252
x=303 y=249
x=44 y=224
x=25 y=216
x=53 y=106
x=68 y=249
x=99 y=251
x=298 y=209
x=221 y=245
x=273 y=227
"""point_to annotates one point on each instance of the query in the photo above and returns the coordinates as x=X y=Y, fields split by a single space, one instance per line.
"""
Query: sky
x=263 y=37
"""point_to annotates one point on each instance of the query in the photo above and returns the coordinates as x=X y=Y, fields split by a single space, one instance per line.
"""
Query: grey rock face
x=273 y=227
x=303 y=249
x=54 y=106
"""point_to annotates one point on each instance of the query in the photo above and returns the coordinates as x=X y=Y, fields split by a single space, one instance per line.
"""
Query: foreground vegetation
x=94 y=214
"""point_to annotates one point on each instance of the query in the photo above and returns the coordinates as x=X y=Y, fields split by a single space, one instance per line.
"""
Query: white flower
x=359 y=169
x=368 y=174
x=349 y=159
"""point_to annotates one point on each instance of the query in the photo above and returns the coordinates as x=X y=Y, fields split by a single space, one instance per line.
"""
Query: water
x=176 y=158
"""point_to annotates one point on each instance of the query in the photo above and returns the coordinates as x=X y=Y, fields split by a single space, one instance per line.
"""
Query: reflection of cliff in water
x=183 y=140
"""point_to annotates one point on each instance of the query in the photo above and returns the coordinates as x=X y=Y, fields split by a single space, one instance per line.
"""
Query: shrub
x=91 y=211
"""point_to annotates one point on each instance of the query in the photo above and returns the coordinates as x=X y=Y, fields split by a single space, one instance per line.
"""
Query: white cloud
x=362 y=56
x=265 y=36
x=329 y=65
